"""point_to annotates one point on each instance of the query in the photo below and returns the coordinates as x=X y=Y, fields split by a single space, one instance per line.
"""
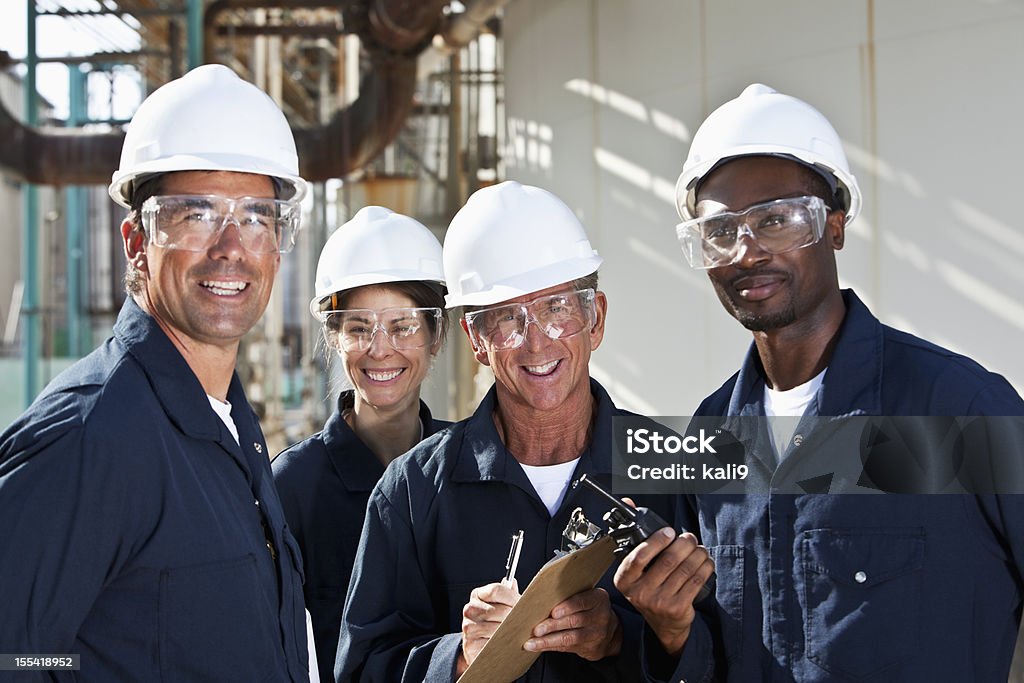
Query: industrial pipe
x=395 y=31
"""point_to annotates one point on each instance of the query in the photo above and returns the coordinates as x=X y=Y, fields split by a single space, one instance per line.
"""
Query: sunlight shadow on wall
x=633 y=108
x=873 y=165
x=635 y=174
x=991 y=299
x=992 y=229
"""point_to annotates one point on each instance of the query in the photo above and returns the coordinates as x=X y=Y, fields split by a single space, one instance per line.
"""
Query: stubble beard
x=764 y=322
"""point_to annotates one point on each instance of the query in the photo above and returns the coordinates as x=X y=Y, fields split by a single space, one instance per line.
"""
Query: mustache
x=756 y=273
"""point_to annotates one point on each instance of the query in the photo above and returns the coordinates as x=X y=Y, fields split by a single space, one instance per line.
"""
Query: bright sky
x=61 y=37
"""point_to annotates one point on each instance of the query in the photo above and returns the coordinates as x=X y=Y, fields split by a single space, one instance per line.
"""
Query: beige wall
x=604 y=95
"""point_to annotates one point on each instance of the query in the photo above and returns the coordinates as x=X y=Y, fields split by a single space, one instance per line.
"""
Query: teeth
x=541 y=369
x=224 y=288
x=384 y=376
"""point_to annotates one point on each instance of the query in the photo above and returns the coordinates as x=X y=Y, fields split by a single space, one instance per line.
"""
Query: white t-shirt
x=223 y=410
x=551 y=482
x=785 y=408
x=314 y=672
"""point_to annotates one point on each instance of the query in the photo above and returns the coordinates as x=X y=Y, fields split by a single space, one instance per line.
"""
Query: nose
x=228 y=243
x=379 y=346
x=749 y=253
x=536 y=341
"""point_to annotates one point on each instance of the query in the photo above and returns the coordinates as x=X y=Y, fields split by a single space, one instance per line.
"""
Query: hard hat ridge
x=376 y=246
x=510 y=240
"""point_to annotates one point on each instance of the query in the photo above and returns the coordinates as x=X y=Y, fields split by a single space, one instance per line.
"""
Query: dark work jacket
x=438 y=525
x=324 y=483
x=133 y=526
x=845 y=587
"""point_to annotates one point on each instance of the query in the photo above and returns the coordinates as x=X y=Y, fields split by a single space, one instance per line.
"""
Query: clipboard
x=503 y=658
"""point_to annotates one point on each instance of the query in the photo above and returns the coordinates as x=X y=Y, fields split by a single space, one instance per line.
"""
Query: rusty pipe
x=64 y=157
x=358 y=133
x=353 y=137
x=404 y=25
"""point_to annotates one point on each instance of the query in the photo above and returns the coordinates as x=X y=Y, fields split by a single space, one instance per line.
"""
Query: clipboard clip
x=629 y=527
x=579 y=532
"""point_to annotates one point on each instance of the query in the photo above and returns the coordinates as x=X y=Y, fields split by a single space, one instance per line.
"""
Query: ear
x=478 y=353
x=597 y=331
x=835 y=229
x=134 y=242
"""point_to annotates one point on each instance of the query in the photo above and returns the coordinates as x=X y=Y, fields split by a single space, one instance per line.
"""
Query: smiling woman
x=380 y=298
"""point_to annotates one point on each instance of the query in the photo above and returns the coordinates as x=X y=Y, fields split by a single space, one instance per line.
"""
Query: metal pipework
x=394 y=31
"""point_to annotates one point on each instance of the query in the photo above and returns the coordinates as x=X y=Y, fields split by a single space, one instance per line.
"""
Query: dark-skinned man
x=831 y=587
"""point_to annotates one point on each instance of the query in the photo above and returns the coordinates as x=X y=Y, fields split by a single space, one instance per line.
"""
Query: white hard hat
x=376 y=246
x=510 y=240
x=208 y=120
x=762 y=121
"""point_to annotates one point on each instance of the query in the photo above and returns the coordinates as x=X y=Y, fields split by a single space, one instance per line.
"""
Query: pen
x=513 y=557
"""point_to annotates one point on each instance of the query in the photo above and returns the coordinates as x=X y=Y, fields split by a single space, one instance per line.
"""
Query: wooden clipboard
x=503 y=658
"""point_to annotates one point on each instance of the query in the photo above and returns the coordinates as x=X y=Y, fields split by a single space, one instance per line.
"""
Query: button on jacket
x=324 y=483
x=439 y=524
x=869 y=587
x=138 y=533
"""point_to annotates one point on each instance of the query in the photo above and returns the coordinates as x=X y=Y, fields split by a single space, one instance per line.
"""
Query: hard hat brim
x=368 y=280
x=689 y=179
x=528 y=283
x=122 y=182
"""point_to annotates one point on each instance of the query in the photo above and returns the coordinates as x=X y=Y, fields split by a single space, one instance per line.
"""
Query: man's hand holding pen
x=482 y=615
x=488 y=606
x=583 y=624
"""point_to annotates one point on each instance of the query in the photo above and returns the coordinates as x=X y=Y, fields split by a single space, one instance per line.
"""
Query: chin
x=376 y=397
x=384 y=398
x=764 y=322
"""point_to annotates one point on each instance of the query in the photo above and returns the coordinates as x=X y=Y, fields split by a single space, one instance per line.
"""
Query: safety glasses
x=353 y=329
x=195 y=222
x=558 y=315
x=776 y=227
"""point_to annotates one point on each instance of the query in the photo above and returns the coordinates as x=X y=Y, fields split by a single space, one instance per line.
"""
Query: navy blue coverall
x=894 y=587
x=324 y=482
x=438 y=525
x=137 y=533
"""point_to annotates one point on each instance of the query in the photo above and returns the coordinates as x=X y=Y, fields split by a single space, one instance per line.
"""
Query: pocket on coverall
x=861 y=598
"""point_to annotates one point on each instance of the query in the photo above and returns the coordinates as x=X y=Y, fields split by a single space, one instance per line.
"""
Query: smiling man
x=829 y=587
x=144 y=532
x=426 y=592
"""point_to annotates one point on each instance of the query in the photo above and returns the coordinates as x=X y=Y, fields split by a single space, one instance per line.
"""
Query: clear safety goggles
x=558 y=315
x=195 y=222
x=776 y=227
x=404 y=328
